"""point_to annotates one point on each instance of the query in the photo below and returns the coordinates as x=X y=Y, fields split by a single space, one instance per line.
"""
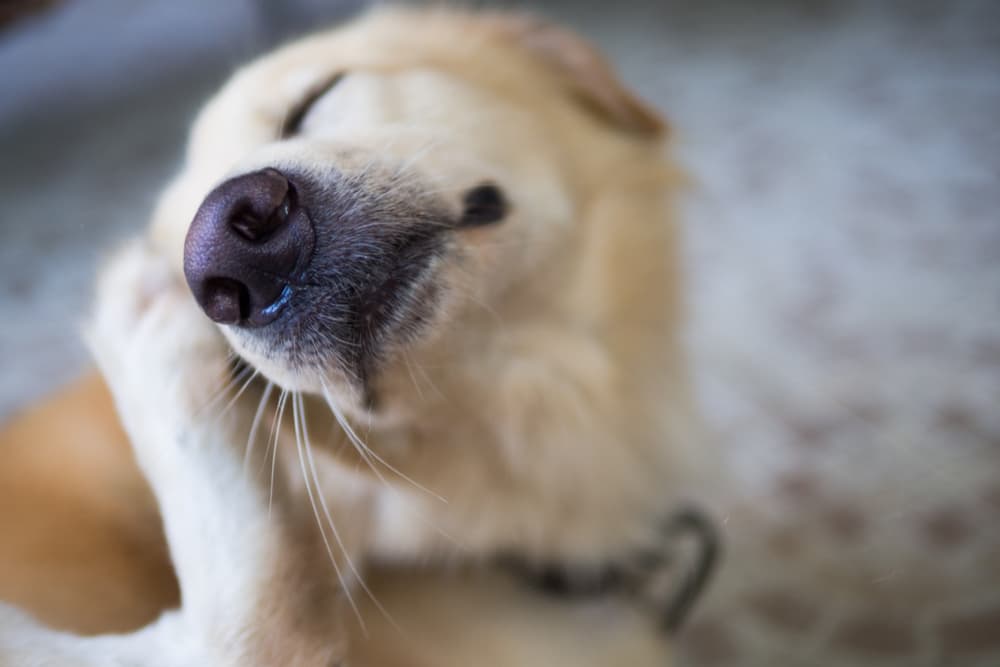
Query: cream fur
x=544 y=414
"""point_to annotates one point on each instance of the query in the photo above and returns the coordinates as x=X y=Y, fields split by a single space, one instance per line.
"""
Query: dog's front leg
x=26 y=643
x=245 y=557
x=251 y=589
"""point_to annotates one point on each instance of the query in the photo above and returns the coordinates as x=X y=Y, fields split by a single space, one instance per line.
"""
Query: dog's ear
x=584 y=71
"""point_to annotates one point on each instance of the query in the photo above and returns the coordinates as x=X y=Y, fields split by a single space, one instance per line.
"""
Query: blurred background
x=842 y=252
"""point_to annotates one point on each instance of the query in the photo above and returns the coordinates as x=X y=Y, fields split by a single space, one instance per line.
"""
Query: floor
x=843 y=253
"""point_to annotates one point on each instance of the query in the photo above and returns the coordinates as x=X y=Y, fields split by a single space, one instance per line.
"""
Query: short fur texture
x=527 y=398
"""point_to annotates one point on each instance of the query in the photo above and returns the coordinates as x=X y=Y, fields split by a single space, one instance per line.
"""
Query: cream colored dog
x=439 y=247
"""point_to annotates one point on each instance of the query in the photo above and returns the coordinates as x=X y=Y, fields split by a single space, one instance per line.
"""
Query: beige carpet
x=845 y=257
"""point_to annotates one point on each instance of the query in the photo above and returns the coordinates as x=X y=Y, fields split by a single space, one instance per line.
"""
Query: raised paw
x=162 y=359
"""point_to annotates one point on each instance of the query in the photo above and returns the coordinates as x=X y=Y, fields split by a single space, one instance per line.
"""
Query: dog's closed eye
x=484 y=204
x=293 y=119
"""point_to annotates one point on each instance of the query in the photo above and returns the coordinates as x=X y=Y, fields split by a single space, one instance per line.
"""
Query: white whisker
x=252 y=437
x=365 y=451
x=329 y=518
x=224 y=389
x=319 y=524
x=239 y=393
x=276 y=432
x=427 y=377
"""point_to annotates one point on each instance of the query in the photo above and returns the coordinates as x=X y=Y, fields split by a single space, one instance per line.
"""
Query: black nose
x=246 y=247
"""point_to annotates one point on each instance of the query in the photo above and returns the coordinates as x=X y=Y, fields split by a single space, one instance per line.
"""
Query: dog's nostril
x=225 y=300
x=267 y=210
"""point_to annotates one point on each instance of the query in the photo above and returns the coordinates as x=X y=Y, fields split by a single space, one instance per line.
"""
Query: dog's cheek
x=555 y=379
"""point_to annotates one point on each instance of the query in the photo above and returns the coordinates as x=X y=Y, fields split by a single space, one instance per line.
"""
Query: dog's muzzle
x=318 y=268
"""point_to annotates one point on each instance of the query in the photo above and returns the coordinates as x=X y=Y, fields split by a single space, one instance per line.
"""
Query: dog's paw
x=162 y=358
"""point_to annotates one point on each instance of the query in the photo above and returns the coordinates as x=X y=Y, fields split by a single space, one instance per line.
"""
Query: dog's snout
x=247 y=244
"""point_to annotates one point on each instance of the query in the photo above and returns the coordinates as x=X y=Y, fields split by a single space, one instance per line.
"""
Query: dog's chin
x=330 y=385
x=306 y=379
x=335 y=373
x=333 y=387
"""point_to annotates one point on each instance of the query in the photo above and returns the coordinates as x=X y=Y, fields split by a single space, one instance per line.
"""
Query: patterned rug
x=844 y=244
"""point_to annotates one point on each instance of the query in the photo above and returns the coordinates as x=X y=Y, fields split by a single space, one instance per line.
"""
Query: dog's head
x=401 y=186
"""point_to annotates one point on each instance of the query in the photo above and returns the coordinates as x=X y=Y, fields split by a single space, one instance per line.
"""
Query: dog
x=429 y=259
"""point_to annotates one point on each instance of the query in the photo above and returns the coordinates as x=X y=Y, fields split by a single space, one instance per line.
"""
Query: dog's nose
x=247 y=244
